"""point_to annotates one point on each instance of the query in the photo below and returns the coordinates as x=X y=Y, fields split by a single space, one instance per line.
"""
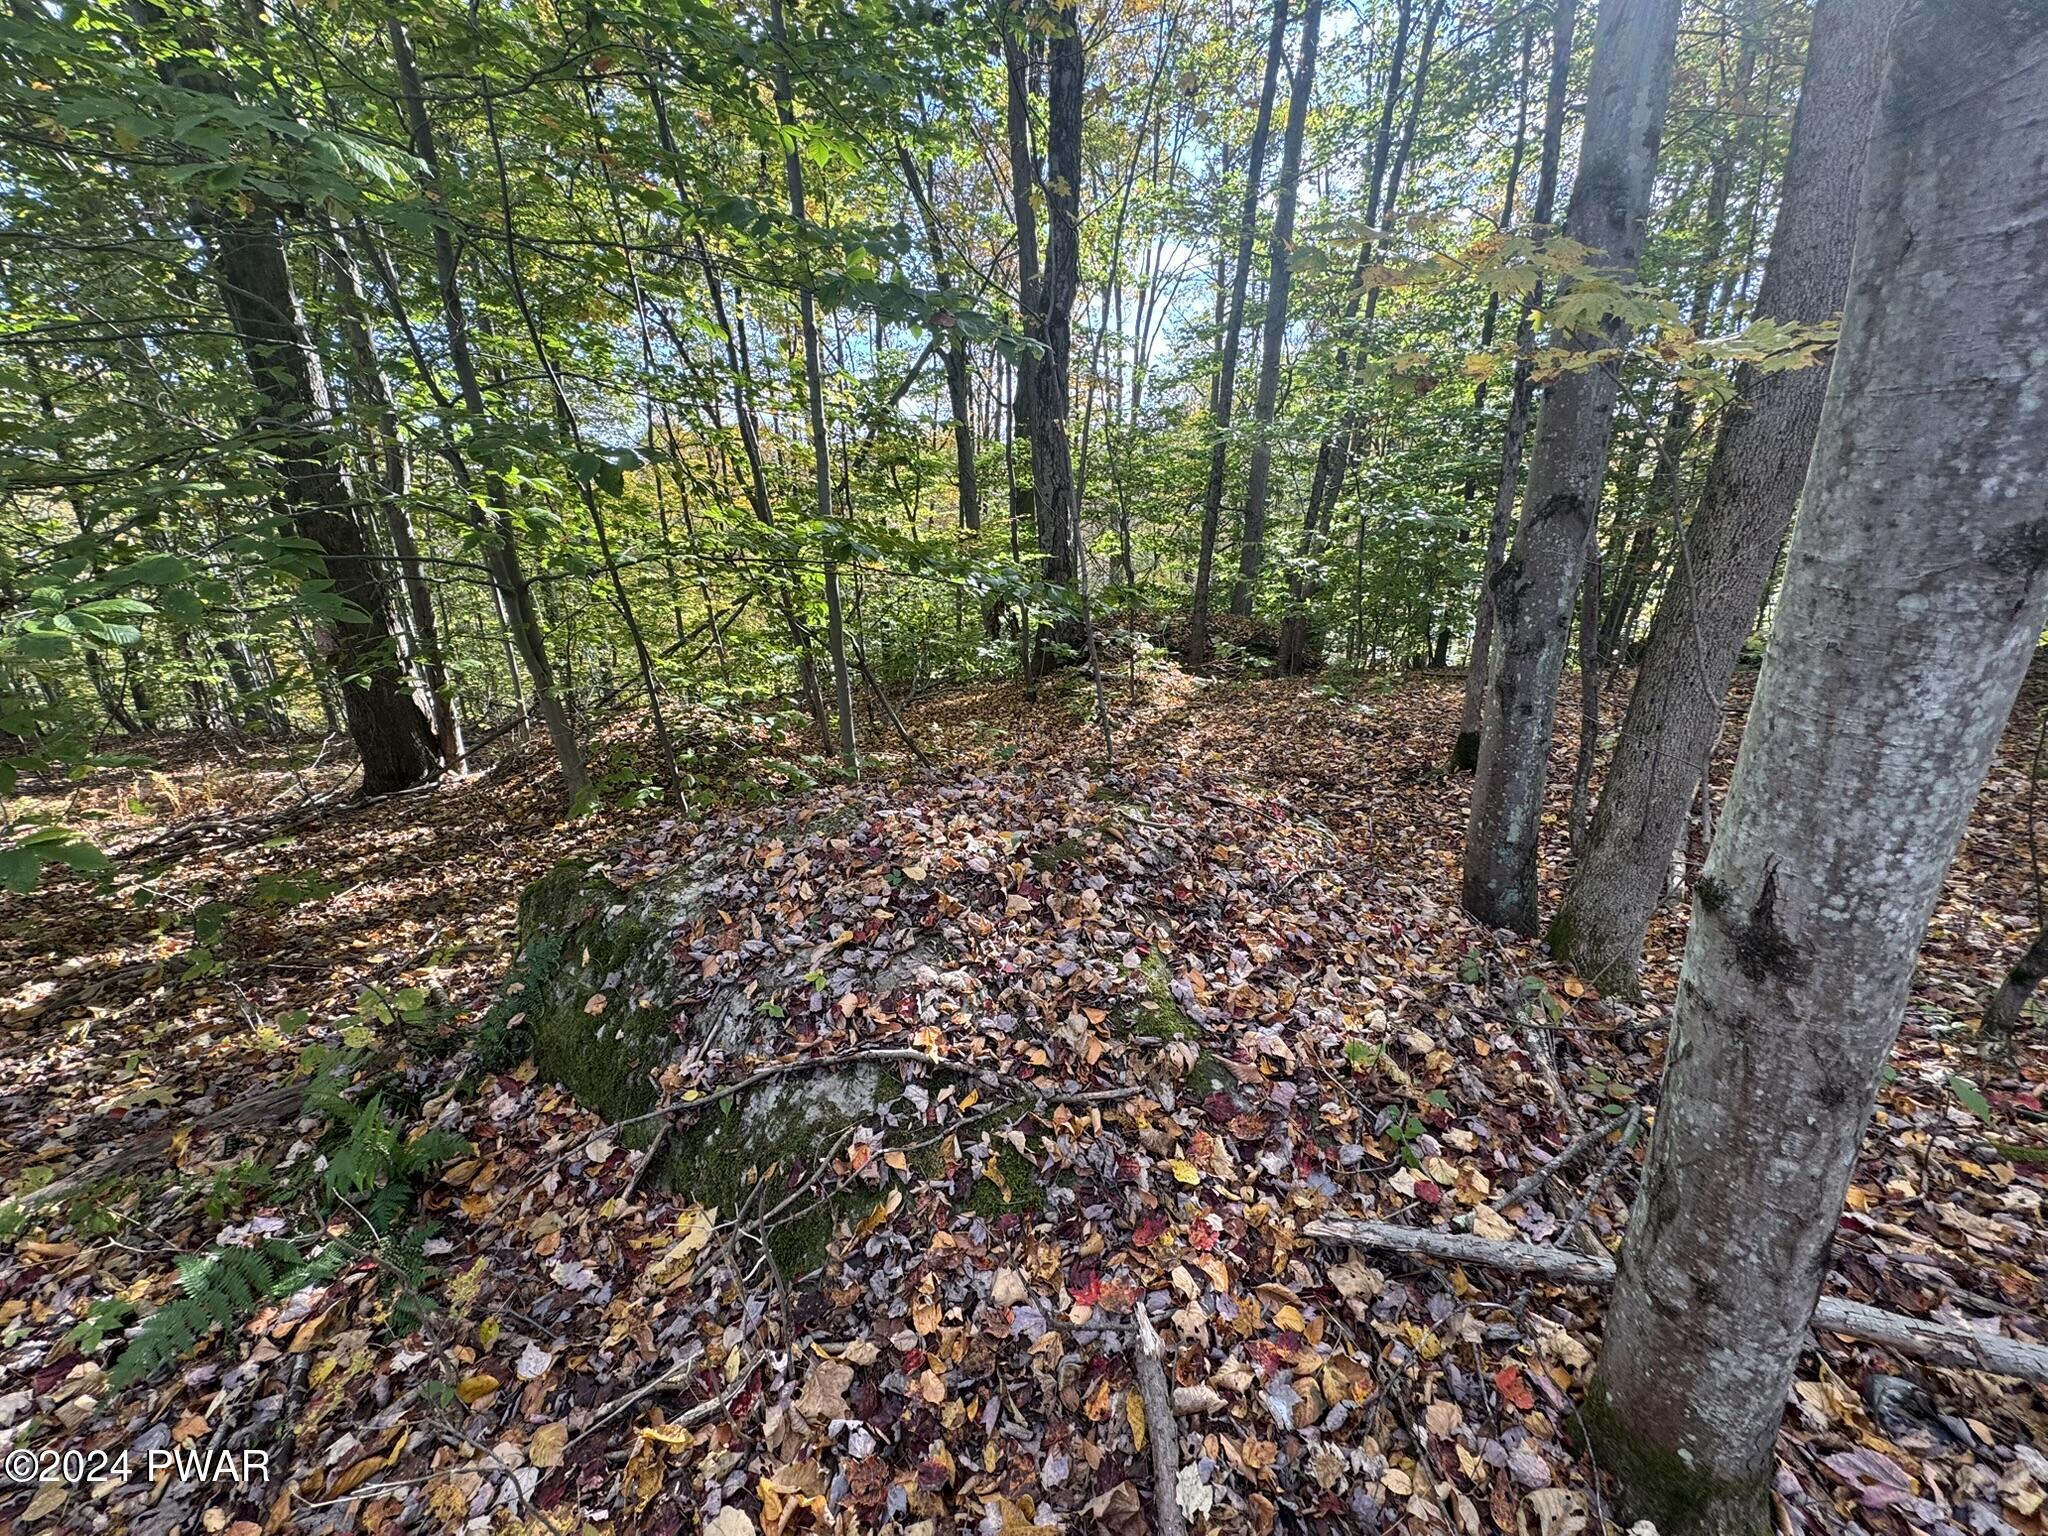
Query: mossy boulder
x=603 y=1014
x=608 y=1004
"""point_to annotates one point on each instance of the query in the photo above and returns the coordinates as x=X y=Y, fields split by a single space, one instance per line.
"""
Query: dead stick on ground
x=1947 y=1344
x=1574 y=1149
x=1589 y=1240
x=987 y=1077
x=1161 y=1427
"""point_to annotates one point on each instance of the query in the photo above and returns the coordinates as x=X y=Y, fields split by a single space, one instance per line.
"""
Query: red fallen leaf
x=1085 y=1286
x=1514 y=1387
x=1427 y=1191
x=1151 y=1227
x=1119 y=1295
x=1205 y=1234
x=1219 y=1108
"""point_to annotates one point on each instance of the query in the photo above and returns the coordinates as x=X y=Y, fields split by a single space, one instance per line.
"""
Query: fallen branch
x=1949 y=1344
x=1575 y=1221
x=1162 y=1429
x=987 y=1077
x=1574 y=1149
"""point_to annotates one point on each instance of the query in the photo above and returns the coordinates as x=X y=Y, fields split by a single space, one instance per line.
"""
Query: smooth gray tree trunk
x=1252 y=552
x=1696 y=638
x=1465 y=752
x=1915 y=597
x=1537 y=584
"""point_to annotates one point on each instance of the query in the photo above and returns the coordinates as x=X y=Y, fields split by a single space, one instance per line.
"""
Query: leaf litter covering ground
x=1248 y=931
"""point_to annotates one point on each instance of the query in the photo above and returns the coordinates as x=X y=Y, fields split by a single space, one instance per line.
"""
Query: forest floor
x=1271 y=865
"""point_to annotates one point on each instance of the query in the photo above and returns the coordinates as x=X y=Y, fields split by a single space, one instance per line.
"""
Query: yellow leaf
x=548 y=1444
x=1134 y=1410
x=1184 y=1170
x=471 y=1389
x=669 y=1435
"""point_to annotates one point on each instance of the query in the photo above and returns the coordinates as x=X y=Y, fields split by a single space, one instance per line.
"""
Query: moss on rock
x=602 y=1019
x=617 y=944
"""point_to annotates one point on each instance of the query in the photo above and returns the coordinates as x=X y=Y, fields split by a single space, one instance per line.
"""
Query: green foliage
x=221 y=1286
x=1971 y=1097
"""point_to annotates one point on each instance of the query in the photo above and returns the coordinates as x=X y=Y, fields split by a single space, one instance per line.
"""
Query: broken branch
x=1947 y=1344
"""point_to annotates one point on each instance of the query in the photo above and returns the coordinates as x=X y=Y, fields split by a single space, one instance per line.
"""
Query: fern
x=373 y=1169
x=220 y=1287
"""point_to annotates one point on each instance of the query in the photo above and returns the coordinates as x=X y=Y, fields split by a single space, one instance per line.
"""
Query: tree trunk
x=1728 y=551
x=1333 y=458
x=500 y=546
x=1534 y=590
x=391 y=736
x=1465 y=752
x=1050 y=322
x=394 y=478
x=1902 y=639
x=1197 y=650
x=2002 y=1011
x=814 y=402
x=968 y=490
x=1251 y=553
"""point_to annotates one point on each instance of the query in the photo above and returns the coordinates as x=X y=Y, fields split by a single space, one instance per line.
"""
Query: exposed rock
x=609 y=1004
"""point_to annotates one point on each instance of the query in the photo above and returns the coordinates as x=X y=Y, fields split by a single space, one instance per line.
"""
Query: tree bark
x=394 y=483
x=1465 y=752
x=1251 y=553
x=814 y=408
x=1023 y=178
x=1916 y=593
x=1728 y=551
x=1534 y=590
x=1050 y=321
x=1197 y=649
x=391 y=736
x=2002 y=1011
x=494 y=529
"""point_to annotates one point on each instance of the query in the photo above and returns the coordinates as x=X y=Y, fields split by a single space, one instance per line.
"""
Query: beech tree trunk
x=1915 y=596
x=1465 y=753
x=1197 y=650
x=391 y=736
x=1719 y=575
x=1538 y=582
x=1252 y=552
